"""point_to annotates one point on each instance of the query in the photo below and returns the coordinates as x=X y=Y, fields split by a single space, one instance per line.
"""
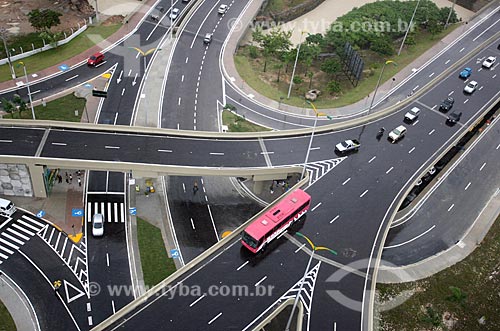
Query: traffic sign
x=132 y=211
x=77 y=212
x=87 y=85
x=64 y=67
x=41 y=213
x=100 y=94
x=175 y=253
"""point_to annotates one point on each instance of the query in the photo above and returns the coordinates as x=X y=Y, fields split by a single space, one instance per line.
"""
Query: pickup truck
x=347 y=146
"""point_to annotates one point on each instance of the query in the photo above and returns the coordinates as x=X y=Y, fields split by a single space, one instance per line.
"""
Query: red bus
x=275 y=221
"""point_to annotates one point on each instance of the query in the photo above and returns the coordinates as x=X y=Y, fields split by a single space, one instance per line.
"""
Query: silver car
x=98 y=225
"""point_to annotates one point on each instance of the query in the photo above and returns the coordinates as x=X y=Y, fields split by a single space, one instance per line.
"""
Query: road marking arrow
x=78 y=294
x=119 y=78
x=135 y=78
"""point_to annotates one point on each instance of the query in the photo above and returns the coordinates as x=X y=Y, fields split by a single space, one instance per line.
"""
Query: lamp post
x=144 y=54
x=409 y=27
x=96 y=12
x=2 y=35
x=378 y=82
x=314 y=249
x=295 y=65
x=449 y=14
x=29 y=91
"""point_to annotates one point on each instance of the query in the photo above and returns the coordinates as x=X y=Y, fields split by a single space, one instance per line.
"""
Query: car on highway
x=174 y=13
x=454 y=117
x=208 y=38
x=446 y=104
x=397 y=133
x=471 y=87
x=465 y=73
x=412 y=114
x=7 y=208
x=95 y=59
x=347 y=146
x=222 y=9
x=489 y=62
x=98 y=225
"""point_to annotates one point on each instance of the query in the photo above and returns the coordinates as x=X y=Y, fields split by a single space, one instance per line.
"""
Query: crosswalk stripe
x=102 y=208
x=122 y=211
x=89 y=212
x=6 y=250
x=109 y=212
x=115 y=205
x=5 y=257
x=8 y=244
x=20 y=228
x=64 y=246
x=18 y=234
x=28 y=225
x=57 y=241
x=40 y=224
x=12 y=238
x=51 y=234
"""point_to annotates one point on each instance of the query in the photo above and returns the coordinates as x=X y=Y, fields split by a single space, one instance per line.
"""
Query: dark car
x=454 y=117
x=446 y=104
x=95 y=59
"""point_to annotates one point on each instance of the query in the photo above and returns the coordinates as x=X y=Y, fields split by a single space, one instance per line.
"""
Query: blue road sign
x=132 y=211
x=76 y=212
x=63 y=67
x=41 y=213
x=87 y=85
x=174 y=253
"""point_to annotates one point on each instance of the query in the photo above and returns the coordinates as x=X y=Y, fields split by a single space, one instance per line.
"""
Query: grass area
x=81 y=43
x=62 y=109
x=251 y=72
x=277 y=6
x=6 y=321
x=466 y=291
x=237 y=123
x=156 y=265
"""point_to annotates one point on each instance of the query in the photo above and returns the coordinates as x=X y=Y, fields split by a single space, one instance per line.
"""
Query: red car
x=95 y=59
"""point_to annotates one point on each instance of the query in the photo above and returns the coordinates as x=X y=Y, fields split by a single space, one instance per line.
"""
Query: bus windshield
x=249 y=240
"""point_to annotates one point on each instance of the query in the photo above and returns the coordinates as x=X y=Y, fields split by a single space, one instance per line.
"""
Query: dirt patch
x=112 y=20
x=13 y=14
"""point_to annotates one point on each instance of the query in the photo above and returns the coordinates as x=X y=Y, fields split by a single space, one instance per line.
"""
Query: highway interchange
x=365 y=187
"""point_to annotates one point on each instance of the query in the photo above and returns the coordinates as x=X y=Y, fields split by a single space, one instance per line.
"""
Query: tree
x=334 y=87
x=310 y=74
x=297 y=80
x=43 y=20
x=8 y=107
x=278 y=66
x=20 y=103
x=274 y=43
x=331 y=66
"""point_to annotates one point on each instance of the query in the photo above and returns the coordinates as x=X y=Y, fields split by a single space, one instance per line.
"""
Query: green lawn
x=238 y=124
x=251 y=71
x=156 y=265
x=62 y=109
x=479 y=284
x=6 y=321
x=81 y=43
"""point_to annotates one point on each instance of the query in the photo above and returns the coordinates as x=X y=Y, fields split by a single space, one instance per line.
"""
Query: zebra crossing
x=114 y=212
x=16 y=234
x=318 y=169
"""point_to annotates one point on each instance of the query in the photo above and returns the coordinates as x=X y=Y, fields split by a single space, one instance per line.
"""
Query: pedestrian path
x=114 y=212
x=16 y=233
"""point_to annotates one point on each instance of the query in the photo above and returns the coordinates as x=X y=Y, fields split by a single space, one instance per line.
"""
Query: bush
x=253 y=51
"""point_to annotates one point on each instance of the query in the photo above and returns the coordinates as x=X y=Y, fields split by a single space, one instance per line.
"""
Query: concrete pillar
x=257 y=186
x=37 y=181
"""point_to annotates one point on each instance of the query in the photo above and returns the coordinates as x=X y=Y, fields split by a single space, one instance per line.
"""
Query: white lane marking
x=112 y=147
x=266 y=153
x=466 y=100
x=432 y=131
x=214 y=153
x=184 y=187
x=59 y=144
x=409 y=241
x=334 y=219
x=414 y=123
x=461 y=50
x=498 y=146
x=213 y=319
x=113 y=306
x=298 y=249
x=90 y=320
x=416 y=87
x=68 y=79
x=480 y=169
x=433 y=107
x=448 y=61
x=179 y=102
x=260 y=281
x=129 y=72
x=390 y=169
x=466 y=187
x=123 y=91
x=182 y=78
x=315 y=148
x=187 y=59
x=89 y=307
x=244 y=264
x=411 y=150
x=363 y=194
x=451 y=207
x=431 y=75
x=346 y=181
x=107 y=259
x=449 y=94
x=314 y=208
x=373 y=158
x=192 y=223
x=116 y=118
x=196 y=301
x=38 y=91
x=165 y=150
x=5 y=141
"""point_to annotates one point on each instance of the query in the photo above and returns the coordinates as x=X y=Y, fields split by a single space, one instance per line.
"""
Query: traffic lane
x=116 y=182
x=152 y=149
x=165 y=310
x=20 y=141
x=448 y=212
x=97 y=181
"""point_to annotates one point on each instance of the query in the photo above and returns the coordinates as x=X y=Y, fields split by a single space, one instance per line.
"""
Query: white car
x=397 y=133
x=471 y=87
x=222 y=9
x=412 y=114
x=174 y=13
x=347 y=146
x=98 y=225
x=489 y=62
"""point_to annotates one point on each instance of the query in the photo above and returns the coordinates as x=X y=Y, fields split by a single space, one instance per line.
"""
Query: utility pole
x=2 y=35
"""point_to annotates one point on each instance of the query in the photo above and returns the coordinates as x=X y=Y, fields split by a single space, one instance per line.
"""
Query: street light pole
x=295 y=65
x=449 y=14
x=29 y=91
x=378 y=83
x=144 y=54
x=309 y=148
x=12 y=72
x=409 y=27
x=96 y=12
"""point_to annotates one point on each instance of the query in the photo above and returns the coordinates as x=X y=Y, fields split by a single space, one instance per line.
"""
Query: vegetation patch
x=6 y=321
x=156 y=265
x=237 y=123
x=464 y=297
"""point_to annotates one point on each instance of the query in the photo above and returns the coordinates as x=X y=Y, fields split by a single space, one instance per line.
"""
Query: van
x=7 y=208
